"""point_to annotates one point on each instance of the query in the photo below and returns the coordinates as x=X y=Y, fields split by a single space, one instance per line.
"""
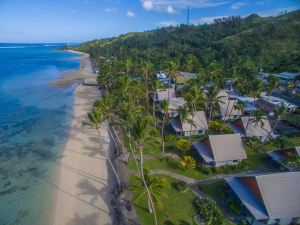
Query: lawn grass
x=178 y=207
x=257 y=161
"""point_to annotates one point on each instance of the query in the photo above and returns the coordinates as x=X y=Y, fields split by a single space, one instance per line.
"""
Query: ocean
x=34 y=122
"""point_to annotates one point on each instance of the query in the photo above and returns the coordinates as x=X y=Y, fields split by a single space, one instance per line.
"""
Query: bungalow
x=199 y=124
x=227 y=106
x=184 y=77
x=245 y=129
x=163 y=94
x=269 y=198
x=269 y=104
x=281 y=156
x=174 y=104
x=219 y=150
x=228 y=111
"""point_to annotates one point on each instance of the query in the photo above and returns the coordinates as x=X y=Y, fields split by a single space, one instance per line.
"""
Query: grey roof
x=248 y=198
x=221 y=148
x=175 y=103
x=188 y=75
x=231 y=110
x=279 y=155
x=280 y=194
x=199 y=123
x=162 y=94
x=253 y=130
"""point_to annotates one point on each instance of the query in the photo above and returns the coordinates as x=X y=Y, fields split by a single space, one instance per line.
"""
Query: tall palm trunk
x=210 y=112
x=162 y=134
x=153 y=113
x=151 y=204
x=107 y=155
x=133 y=153
x=269 y=133
x=191 y=128
x=228 y=106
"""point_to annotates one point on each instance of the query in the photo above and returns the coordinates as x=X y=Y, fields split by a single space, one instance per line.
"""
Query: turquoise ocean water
x=34 y=122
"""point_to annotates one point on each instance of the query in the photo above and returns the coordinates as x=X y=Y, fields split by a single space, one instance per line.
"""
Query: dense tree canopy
x=254 y=42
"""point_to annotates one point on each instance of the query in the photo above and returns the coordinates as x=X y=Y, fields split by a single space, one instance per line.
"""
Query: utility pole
x=188 y=17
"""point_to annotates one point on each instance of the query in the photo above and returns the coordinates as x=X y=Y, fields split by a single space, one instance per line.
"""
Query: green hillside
x=270 y=43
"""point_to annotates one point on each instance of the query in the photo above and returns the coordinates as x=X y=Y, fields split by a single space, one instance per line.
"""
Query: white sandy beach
x=84 y=178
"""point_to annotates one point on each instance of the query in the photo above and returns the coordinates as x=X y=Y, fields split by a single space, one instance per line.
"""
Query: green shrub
x=218 y=127
x=209 y=211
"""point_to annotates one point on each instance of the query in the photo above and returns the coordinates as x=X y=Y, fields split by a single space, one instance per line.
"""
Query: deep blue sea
x=34 y=122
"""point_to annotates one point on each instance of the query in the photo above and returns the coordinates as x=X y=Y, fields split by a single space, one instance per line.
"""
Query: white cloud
x=170 y=6
x=148 y=5
x=167 y=23
x=110 y=10
x=276 y=12
x=130 y=14
x=238 y=5
x=170 y=10
x=207 y=20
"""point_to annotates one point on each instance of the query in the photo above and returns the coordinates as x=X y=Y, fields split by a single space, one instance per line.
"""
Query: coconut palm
x=155 y=185
x=142 y=134
x=183 y=113
x=280 y=111
x=172 y=71
x=154 y=85
x=146 y=68
x=234 y=77
x=188 y=162
x=128 y=64
x=257 y=118
x=213 y=100
x=96 y=118
x=165 y=109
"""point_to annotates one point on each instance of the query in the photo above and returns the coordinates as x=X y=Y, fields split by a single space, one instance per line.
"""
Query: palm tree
x=147 y=68
x=96 y=118
x=128 y=65
x=272 y=83
x=172 y=71
x=279 y=113
x=154 y=85
x=194 y=100
x=234 y=77
x=188 y=162
x=165 y=109
x=183 y=113
x=213 y=99
x=258 y=118
x=142 y=134
x=155 y=185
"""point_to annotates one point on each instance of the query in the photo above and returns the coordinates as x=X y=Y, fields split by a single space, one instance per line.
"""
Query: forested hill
x=271 y=43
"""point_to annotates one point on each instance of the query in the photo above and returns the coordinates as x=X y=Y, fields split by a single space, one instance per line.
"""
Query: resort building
x=174 y=104
x=196 y=124
x=228 y=111
x=183 y=78
x=288 y=158
x=268 y=198
x=220 y=150
x=164 y=94
x=250 y=129
x=269 y=104
x=227 y=106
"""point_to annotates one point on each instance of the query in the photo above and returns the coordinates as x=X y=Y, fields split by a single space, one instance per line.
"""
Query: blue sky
x=82 y=20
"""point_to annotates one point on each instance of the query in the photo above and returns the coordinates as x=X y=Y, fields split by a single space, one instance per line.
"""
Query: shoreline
x=83 y=179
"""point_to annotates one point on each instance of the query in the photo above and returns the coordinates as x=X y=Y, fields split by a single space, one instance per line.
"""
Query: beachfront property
x=183 y=77
x=174 y=104
x=282 y=156
x=246 y=128
x=220 y=150
x=163 y=94
x=268 y=198
x=269 y=104
x=193 y=125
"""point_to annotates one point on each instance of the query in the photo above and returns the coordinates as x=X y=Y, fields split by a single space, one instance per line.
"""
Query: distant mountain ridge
x=272 y=43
